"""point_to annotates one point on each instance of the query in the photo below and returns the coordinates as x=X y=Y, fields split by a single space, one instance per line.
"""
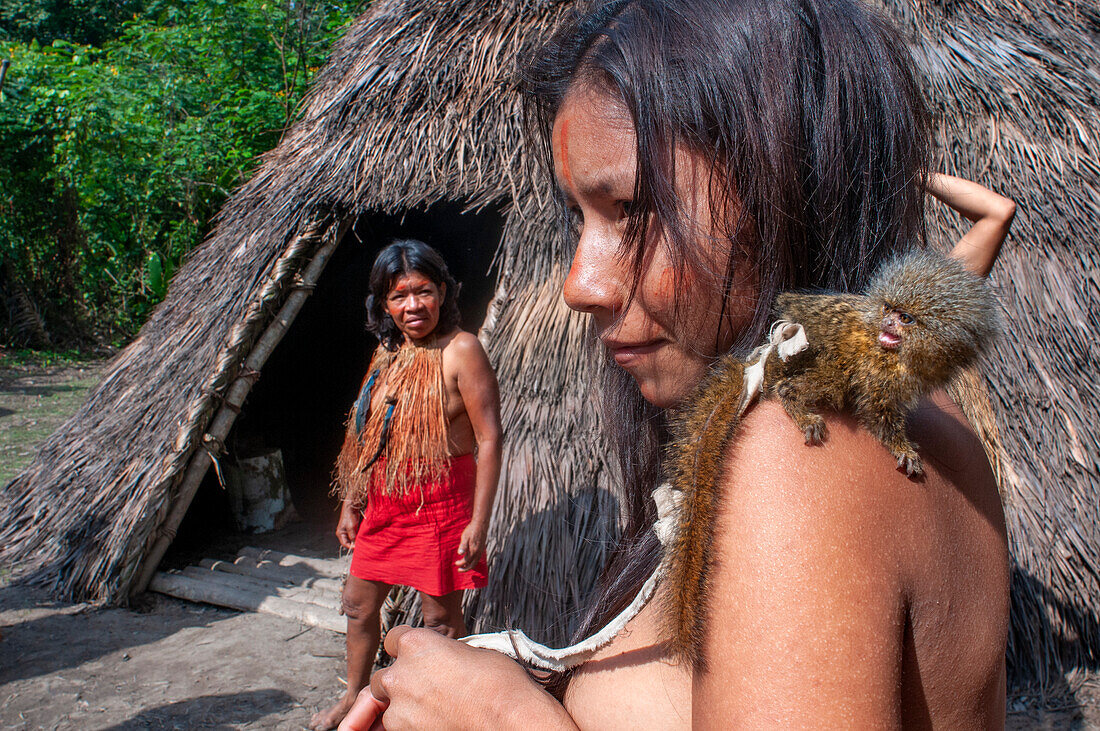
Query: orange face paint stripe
x=563 y=143
x=666 y=283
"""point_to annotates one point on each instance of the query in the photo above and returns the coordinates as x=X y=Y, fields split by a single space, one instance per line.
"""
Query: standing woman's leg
x=444 y=614
x=362 y=603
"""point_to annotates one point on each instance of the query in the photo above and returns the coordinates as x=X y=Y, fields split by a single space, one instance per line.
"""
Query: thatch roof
x=1016 y=92
x=417 y=105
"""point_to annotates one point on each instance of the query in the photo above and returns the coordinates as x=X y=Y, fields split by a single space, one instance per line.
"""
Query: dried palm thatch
x=415 y=106
x=1016 y=92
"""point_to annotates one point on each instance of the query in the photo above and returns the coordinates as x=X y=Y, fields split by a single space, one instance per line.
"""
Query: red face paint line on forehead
x=563 y=143
x=408 y=281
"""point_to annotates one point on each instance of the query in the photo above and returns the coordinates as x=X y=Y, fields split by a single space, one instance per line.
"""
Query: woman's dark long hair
x=814 y=126
x=405 y=256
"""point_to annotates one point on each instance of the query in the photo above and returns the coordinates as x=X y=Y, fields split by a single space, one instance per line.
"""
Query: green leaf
x=154 y=275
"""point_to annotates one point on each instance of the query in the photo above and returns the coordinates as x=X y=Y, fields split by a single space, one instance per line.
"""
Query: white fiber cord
x=787 y=339
x=516 y=644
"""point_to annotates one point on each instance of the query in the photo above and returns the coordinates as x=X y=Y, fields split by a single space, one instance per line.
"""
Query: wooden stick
x=222 y=422
x=258 y=586
x=248 y=568
x=208 y=592
x=332 y=567
x=3 y=71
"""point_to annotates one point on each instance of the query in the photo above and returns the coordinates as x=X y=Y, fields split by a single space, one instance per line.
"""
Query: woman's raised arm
x=992 y=215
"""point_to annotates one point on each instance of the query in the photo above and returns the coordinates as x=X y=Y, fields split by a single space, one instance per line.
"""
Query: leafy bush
x=114 y=158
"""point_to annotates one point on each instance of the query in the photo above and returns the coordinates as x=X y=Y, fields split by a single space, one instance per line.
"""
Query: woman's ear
x=443 y=291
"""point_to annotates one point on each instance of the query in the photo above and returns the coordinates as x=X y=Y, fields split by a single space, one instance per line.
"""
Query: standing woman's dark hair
x=815 y=132
x=405 y=256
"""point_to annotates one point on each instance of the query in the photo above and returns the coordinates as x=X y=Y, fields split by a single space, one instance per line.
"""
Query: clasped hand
x=440 y=683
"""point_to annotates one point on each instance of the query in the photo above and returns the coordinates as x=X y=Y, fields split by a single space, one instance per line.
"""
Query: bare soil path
x=173 y=665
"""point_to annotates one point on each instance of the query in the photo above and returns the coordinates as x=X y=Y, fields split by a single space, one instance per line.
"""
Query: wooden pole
x=3 y=71
x=332 y=567
x=197 y=590
x=219 y=426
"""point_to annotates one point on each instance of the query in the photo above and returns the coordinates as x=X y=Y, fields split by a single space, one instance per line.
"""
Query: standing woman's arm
x=992 y=215
x=477 y=385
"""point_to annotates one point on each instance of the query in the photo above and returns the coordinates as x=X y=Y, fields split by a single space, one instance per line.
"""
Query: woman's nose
x=597 y=276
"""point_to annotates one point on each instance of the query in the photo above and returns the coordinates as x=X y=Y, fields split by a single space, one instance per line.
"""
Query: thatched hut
x=414 y=127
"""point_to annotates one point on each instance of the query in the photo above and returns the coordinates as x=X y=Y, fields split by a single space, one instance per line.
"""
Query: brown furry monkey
x=922 y=319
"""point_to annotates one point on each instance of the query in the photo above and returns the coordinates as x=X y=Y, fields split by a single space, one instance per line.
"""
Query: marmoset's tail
x=695 y=456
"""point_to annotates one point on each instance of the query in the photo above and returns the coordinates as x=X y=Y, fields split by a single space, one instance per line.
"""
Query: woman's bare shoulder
x=820 y=551
x=852 y=465
x=461 y=343
x=769 y=453
x=847 y=493
x=806 y=561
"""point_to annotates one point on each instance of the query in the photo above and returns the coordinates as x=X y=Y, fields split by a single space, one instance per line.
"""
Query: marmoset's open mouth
x=888 y=340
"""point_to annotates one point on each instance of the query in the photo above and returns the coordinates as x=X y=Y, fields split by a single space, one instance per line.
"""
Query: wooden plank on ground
x=210 y=592
x=331 y=567
x=321 y=598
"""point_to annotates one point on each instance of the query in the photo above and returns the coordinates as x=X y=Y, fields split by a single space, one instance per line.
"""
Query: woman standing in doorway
x=416 y=502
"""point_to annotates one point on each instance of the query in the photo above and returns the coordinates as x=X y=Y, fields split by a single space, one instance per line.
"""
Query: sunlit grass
x=38 y=391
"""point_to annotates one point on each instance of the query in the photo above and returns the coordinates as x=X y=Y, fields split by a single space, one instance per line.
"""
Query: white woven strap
x=786 y=339
x=516 y=644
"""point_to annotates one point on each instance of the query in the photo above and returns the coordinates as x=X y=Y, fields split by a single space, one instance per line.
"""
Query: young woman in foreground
x=711 y=154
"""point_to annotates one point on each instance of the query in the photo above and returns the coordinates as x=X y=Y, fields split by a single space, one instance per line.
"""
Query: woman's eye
x=627 y=208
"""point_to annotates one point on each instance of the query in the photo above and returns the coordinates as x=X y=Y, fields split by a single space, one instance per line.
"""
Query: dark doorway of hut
x=294 y=419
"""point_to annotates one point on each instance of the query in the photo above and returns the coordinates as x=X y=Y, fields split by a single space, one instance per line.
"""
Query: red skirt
x=412 y=540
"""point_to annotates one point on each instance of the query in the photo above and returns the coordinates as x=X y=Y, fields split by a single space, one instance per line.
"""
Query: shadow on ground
x=42 y=636
x=226 y=711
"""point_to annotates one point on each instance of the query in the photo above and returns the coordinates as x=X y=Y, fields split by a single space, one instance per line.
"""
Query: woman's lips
x=626 y=354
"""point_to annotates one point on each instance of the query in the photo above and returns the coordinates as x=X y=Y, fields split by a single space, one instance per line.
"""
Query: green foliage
x=19 y=358
x=79 y=21
x=114 y=158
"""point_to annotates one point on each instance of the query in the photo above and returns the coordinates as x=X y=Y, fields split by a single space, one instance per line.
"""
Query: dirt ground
x=177 y=665
x=172 y=665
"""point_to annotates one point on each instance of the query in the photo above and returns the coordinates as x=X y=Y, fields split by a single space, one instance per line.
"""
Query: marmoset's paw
x=813 y=428
x=911 y=463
